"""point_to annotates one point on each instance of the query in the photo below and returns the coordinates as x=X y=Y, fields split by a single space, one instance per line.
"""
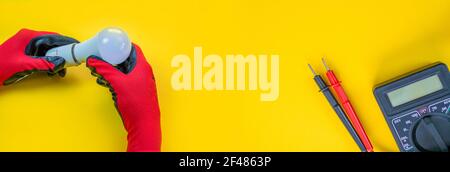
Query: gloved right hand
x=133 y=88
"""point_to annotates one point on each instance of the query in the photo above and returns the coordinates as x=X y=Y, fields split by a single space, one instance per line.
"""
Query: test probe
x=337 y=108
x=348 y=108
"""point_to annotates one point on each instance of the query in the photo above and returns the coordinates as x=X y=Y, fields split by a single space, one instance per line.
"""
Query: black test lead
x=337 y=108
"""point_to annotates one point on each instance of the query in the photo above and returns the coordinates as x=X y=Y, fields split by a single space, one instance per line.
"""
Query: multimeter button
x=432 y=133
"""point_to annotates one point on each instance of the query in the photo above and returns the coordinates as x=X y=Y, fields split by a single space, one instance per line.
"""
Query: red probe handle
x=348 y=108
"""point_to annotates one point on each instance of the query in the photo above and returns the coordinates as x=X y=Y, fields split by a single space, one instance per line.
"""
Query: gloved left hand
x=24 y=54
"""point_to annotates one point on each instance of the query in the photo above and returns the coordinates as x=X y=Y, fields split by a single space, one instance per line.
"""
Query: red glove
x=23 y=54
x=133 y=88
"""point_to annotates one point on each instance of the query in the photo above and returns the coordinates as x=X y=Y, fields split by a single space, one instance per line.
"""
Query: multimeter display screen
x=415 y=90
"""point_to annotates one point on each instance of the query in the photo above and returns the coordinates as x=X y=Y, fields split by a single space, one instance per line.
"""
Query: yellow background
x=366 y=42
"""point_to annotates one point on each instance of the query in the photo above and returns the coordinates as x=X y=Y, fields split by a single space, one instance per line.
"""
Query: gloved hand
x=133 y=89
x=23 y=54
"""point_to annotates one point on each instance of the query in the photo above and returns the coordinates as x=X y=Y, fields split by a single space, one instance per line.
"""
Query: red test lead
x=348 y=108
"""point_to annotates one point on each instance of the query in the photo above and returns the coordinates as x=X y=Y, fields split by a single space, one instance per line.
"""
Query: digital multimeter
x=416 y=107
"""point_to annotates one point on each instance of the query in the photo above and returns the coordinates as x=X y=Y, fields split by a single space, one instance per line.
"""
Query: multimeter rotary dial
x=431 y=133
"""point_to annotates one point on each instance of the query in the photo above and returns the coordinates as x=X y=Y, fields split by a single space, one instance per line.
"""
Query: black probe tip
x=312 y=70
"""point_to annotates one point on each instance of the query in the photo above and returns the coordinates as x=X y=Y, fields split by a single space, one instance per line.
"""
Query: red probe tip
x=325 y=64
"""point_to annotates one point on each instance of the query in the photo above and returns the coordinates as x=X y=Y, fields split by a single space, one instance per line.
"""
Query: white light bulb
x=111 y=44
